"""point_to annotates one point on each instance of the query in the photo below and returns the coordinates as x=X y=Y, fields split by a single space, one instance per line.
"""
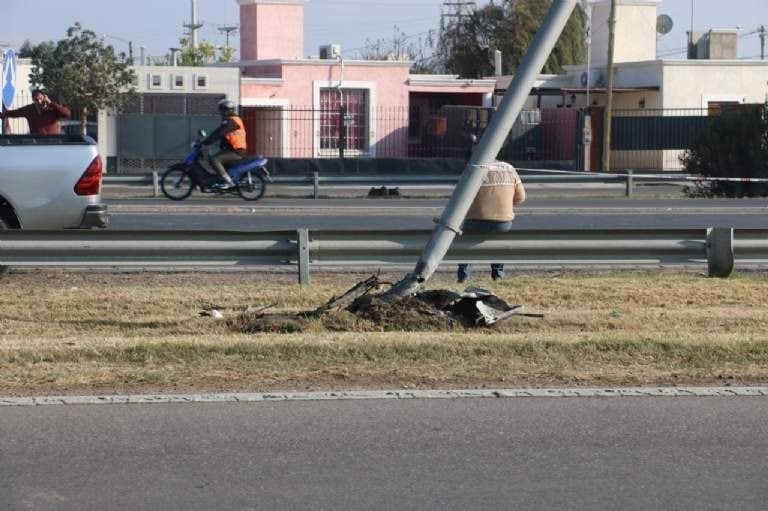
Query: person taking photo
x=42 y=114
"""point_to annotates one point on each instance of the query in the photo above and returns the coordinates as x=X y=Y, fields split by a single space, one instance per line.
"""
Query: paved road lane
x=531 y=453
x=277 y=214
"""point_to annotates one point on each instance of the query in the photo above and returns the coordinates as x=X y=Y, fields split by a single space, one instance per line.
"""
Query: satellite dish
x=664 y=24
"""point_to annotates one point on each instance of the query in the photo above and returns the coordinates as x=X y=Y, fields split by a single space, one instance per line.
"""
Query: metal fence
x=643 y=139
x=150 y=141
x=714 y=248
x=656 y=139
x=626 y=181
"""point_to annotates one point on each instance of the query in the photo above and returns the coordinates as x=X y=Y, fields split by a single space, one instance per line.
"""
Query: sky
x=354 y=24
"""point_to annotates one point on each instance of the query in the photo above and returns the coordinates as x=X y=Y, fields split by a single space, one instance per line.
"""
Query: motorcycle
x=250 y=176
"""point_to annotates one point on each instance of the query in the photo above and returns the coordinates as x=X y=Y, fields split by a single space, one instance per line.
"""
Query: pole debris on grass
x=431 y=310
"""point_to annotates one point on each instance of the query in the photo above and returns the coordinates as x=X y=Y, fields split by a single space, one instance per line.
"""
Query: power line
x=373 y=45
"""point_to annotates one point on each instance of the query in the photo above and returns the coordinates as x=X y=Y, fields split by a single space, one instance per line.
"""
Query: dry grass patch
x=74 y=332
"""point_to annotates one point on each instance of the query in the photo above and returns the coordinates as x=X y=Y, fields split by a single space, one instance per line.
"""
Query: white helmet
x=226 y=107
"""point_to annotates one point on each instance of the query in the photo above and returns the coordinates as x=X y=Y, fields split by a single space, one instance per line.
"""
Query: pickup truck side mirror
x=202 y=133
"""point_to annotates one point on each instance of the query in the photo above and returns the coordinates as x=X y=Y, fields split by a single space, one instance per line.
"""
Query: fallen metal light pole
x=449 y=223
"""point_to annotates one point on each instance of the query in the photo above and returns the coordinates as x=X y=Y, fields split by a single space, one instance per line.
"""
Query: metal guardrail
x=152 y=179
x=304 y=249
x=628 y=179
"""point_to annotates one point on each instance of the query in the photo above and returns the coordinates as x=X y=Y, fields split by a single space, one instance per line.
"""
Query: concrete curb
x=389 y=394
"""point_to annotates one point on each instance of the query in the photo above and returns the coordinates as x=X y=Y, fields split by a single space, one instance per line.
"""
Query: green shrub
x=735 y=144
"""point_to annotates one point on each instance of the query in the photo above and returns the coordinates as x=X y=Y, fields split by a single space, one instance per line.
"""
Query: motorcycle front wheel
x=176 y=183
x=251 y=186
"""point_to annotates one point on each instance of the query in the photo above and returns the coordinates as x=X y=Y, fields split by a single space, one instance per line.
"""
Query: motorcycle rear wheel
x=251 y=186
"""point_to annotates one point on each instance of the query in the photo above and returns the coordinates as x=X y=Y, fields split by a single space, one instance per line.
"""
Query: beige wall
x=692 y=84
x=635 y=31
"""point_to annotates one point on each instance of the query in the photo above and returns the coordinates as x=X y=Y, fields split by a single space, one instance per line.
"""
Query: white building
x=642 y=81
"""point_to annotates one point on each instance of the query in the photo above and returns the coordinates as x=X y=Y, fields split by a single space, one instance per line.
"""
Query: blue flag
x=9 y=77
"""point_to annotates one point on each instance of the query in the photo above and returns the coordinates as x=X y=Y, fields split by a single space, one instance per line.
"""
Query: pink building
x=311 y=106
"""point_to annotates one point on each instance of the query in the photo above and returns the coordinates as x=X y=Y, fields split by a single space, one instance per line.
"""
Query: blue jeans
x=484 y=226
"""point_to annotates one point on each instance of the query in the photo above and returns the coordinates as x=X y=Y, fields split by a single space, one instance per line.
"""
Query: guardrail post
x=155 y=184
x=630 y=183
x=316 y=184
x=720 y=258
x=303 y=255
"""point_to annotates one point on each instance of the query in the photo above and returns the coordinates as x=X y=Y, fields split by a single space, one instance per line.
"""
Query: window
x=155 y=81
x=344 y=114
x=201 y=82
x=178 y=81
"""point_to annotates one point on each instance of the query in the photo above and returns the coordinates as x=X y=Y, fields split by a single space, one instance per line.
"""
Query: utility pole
x=692 y=52
x=193 y=26
x=609 y=90
x=588 y=10
x=228 y=29
x=486 y=151
x=761 y=30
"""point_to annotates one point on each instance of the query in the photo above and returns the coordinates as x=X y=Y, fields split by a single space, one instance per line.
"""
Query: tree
x=402 y=47
x=467 y=45
x=205 y=53
x=734 y=144
x=82 y=72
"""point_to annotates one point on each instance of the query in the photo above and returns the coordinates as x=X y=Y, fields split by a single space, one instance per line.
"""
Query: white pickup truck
x=50 y=182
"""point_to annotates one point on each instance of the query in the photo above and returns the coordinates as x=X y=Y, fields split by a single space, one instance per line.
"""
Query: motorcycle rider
x=232 y=143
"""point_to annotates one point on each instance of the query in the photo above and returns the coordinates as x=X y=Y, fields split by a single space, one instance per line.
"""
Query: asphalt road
x=278 y=214
x=528 y=453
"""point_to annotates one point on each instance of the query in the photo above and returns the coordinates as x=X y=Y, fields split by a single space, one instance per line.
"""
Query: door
x=597 y=117
x=264 y=130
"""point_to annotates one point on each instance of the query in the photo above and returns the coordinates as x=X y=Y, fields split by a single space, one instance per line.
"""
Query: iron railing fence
x=642 y=139
x=400 y=132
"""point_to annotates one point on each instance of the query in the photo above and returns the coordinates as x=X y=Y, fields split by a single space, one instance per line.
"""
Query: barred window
x=355 y=103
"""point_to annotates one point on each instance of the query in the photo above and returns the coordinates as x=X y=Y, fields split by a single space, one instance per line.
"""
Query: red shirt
x=42 y=121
